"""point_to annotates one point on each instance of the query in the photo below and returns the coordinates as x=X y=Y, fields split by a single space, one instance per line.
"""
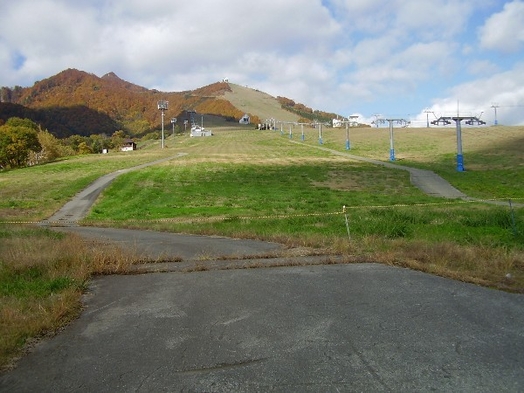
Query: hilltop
x=81 y=103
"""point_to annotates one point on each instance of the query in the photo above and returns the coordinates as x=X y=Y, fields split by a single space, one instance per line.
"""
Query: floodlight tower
x=162 y=106
x=495 y=106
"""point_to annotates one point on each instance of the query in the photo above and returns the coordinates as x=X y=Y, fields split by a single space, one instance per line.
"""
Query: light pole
x=162 y=106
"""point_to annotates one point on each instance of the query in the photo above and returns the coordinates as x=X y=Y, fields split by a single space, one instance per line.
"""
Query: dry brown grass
x=26 y=313
x=258 y=103
x=498 y=268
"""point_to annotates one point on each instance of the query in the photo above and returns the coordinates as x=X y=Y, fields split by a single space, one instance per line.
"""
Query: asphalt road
x=336 y=328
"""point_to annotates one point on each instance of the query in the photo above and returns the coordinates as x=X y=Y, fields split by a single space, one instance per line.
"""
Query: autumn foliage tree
x=52 y=149
x=18 y=138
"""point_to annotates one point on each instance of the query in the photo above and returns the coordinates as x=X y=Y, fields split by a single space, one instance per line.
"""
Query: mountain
x=77 y=102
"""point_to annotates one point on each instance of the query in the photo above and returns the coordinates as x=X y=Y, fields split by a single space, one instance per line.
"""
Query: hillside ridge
x=109 y=102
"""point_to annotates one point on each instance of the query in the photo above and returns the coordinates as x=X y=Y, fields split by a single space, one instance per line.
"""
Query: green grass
x=33 y=193
x=493 y=156
x=295 y=190
x=211 y=189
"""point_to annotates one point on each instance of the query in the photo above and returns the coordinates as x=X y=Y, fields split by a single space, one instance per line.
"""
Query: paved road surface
x=337 y=328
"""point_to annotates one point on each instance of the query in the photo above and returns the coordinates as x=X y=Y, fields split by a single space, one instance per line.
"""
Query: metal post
x=427 y=112
x=163 y=114
x=347 y=221
x=320 y=133
x=173 y=121
x=290 y=131
x=391 y=145
x=460 y=157
x=162 y=106
x=302 y=129
x=348 y=146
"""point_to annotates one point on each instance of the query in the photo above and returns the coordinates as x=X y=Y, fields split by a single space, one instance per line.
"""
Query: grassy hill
x=258 y=103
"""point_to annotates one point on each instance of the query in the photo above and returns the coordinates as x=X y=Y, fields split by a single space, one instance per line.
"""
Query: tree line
x=25 y=143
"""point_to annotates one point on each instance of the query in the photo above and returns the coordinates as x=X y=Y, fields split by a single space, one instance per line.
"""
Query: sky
x=396 y=59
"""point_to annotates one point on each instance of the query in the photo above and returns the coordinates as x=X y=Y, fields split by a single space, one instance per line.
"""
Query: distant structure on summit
x=225 y=80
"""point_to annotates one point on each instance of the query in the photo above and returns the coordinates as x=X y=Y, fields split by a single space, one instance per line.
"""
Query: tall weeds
x=42 y=276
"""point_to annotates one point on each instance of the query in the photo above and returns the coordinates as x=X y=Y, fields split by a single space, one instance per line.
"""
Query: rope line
x=185 y=220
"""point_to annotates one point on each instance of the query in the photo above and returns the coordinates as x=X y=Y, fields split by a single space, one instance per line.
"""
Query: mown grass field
x=30 y=194
x=256 y=184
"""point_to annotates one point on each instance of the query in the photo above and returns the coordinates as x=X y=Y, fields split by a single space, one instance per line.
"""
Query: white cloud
x=343 y=56
x=505 y=89
x=504 y=31
x=483 y=67
x=428 y=19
